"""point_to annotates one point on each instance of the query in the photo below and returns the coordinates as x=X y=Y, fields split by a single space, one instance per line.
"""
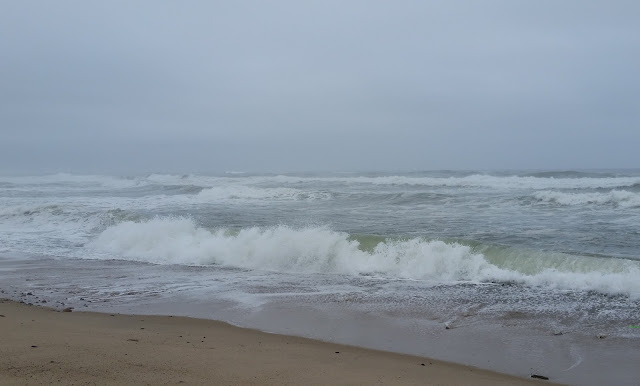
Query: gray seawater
x=542 y=267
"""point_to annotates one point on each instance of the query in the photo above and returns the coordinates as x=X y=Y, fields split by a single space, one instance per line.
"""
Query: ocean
x=517 y=271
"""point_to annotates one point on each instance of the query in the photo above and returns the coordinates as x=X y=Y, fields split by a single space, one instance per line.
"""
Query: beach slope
x=41 y=346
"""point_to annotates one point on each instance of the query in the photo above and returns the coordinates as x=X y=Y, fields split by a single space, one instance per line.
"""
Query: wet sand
x=40 y=346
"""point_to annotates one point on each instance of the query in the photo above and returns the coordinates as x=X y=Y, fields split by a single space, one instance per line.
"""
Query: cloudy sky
x=196 y=86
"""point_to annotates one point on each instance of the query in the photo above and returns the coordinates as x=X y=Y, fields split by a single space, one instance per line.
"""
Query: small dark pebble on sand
x=132 y=340
x=539 y=377
x=34 y=346
x=68 y=309
x=1 y=316
x=421 y=364
x=337 y=352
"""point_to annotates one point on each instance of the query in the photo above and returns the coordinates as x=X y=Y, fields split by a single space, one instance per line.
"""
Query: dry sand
x=42 y=346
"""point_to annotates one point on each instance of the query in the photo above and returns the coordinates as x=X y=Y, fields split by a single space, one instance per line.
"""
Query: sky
x=210 y=86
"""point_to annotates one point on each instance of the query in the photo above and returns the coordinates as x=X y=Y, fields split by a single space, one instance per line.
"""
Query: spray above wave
x=320 y=250
x=616 y=198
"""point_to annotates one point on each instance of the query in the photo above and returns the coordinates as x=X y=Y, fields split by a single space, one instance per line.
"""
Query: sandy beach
x=41 y=346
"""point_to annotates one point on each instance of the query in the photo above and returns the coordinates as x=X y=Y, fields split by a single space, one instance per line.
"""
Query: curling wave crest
x=321 y=250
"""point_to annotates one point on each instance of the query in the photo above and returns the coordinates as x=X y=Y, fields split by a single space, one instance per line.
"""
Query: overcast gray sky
x=194 y=86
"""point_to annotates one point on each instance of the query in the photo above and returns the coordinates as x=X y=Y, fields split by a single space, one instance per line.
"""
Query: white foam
x=620 y=198
x=320 y=250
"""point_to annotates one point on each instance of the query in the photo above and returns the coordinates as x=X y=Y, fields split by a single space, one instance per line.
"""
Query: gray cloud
x=328 y=85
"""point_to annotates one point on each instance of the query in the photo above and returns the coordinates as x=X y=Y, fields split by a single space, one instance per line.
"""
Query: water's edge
x=512 y=343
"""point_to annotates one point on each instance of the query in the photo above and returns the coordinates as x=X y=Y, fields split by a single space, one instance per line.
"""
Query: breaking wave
x=617 y=198
x=321 y=250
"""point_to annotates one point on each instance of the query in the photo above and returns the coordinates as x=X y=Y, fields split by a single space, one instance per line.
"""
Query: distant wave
x=541 y=180
x=476 y=180
x=240 y=192
x=320 y=250
x=73 y=180
x=618 y=198
x=571 y=174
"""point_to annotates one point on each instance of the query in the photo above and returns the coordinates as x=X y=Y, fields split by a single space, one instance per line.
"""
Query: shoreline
x=43 y=345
